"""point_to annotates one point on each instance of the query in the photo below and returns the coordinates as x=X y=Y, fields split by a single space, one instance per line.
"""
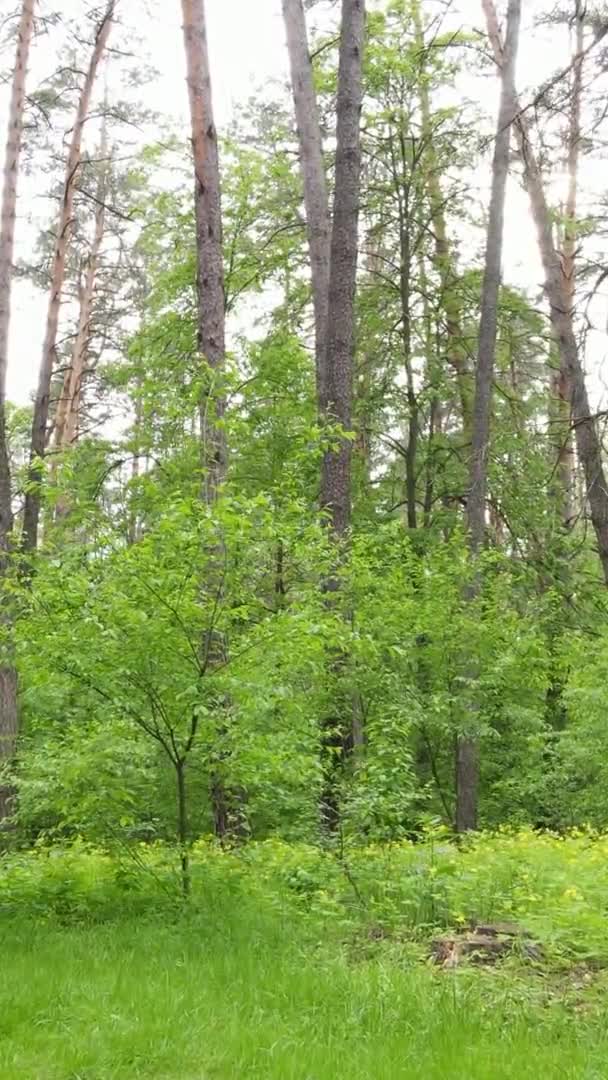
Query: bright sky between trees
x=248 y=53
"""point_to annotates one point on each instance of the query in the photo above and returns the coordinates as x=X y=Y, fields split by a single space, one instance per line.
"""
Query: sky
x=247 y=50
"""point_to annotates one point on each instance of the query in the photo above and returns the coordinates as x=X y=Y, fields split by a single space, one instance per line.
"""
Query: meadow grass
x=199 y=999
x=273 y=974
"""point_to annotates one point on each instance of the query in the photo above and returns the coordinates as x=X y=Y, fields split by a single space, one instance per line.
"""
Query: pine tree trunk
x=316 y=199
x=211 y=344
x=561 y=388
x=337 y=403
x=467 y=757
x=68 y=408
x=8 y=677
x=31 y=514
x=587 y=440
x=336 y=406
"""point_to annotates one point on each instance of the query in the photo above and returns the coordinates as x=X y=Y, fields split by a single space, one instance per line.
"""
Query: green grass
x=281 y=970
x=225 y=997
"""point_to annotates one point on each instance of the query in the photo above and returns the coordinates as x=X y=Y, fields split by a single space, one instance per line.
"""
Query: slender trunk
x=467 y=757
x=588 y=443
x=31 y=513
x=8 y=676
x=211 y=343
x=405 y=257
x=561 y=388
x=210 y=262
x=338 y=386
x=133 y=528
x=444 y=260
x=337 y=405
x=433 y=380
x=68 y=408
x=183 y=831
x=364 y=381
x=316 y=200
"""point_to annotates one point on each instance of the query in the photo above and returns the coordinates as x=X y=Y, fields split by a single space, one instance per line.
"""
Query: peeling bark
x=31 y=514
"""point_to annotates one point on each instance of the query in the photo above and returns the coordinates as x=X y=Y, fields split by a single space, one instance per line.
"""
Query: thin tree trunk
x=183 y=830
x=316 y=199
x=467 y=756
x=31 y=514
x=444 y=262
x=405 y=258
x=561 y=388
x=210 y=261
x=8 y=676
x=336 y=467
x=68 y=407
x=588 y=444
x=211 y=341
x=433 y=379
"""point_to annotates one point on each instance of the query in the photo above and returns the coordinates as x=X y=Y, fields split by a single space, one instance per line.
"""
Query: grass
x=198 y=1001
x=271 y=978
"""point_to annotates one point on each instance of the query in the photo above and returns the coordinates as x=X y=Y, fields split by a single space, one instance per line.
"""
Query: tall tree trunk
x=467 y=763
x=403 y=187
x=444 y=260
x=336 y=406
x=337 y=403
x=68 y=407
x=316 y=200
x=210 y=262
x=588 y=444
x=211 y=344
x=561 y=389
x=31 y=513
x=8 y=675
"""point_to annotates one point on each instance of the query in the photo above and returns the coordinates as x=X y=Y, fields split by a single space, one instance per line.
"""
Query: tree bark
x=210 y=261
x=587 y=439
x=467 y=757
x=336 y=406
x=211 y=344
x=68 y=407
x=8 y=676
x=561 y=388
x=31 y=514
x=338 y=388
x=316 y=199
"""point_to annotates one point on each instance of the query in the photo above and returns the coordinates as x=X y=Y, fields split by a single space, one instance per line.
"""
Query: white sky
x=247 y=50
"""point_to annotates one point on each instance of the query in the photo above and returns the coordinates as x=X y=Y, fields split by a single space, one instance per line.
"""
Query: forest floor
x=249 y=984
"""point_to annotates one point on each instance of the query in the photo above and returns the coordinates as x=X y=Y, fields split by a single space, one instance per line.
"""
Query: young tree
x=31 y=514
x=8 y=676
x=316 y=199
x=467 y=768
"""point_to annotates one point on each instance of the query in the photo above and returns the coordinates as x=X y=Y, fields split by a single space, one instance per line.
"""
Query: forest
x=304 y=542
